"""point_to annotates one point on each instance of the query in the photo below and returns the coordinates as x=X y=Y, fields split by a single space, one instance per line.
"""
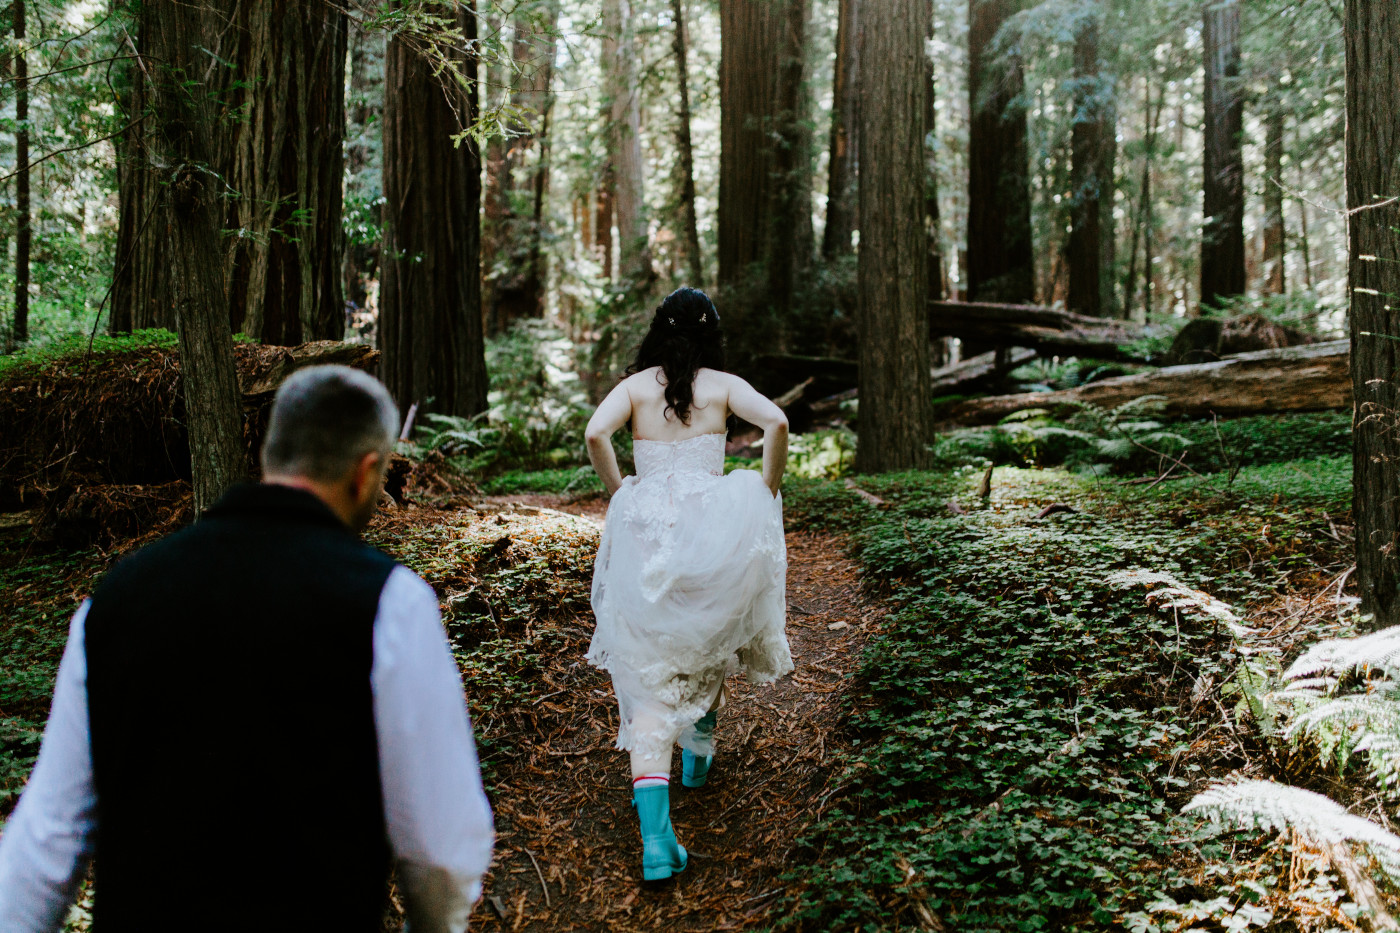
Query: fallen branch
x=1037 y=326
x=868 y=497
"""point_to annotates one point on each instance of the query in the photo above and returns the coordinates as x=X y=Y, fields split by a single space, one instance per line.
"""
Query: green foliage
x=1301 y=309
x=1041 y=375
x=72 y=350
x=565 y=480
x=39 y=593
x=512 y=587
x=1342 y=696
x=1325 y=481
x=538 y=409
x=73 y=53
x=1022 y=668
x=1093 y=439
x=827 y=454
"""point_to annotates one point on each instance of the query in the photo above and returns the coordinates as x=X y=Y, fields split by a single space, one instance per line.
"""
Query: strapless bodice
x=703 y=453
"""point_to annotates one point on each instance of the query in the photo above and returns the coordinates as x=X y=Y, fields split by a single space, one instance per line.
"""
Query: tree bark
x=689 y=222
x=1222 y=235
x=625 y=145
x=895 y=424
x=1373 y=180
x=288 y=168
x=186 y=144
x=1311 y=378
x=1000 y=263
x=842 y=174
x=431 y=327
x=765 y=226
x=1275 y=248
x=142 y=293
x=1090 y=250
x=603 y=224
x=790 y=239
x=23 y=218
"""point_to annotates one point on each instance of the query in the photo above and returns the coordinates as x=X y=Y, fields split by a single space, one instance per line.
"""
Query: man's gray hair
x=324 y=419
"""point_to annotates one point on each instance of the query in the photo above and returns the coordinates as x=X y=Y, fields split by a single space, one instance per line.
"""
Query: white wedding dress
x=689 y=586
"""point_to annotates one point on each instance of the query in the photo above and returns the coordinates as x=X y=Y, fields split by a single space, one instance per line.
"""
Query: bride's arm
x=611 y=415
x=746 y=402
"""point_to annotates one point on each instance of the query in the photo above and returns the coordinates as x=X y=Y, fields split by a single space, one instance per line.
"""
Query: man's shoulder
x=405 y=587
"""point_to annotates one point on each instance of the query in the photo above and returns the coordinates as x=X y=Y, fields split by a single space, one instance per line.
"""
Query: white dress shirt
x=435 y=809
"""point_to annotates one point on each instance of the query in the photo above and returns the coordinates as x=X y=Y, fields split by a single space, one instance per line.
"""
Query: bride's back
x=652 y=421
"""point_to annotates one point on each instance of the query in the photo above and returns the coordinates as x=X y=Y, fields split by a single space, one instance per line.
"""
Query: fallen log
x=1037 y=326
x=945 y=380
x=116 y=418
x=948 y=379
x=262 y=372
x=1309 y=378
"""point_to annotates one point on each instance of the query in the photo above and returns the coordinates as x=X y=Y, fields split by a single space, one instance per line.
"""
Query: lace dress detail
x=689 y=585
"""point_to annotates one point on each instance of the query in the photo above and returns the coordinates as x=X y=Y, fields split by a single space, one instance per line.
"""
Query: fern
x=1095 y=438
x=453 y=434
x=1340 y=656
x=1319 y=820
x=1345 y=725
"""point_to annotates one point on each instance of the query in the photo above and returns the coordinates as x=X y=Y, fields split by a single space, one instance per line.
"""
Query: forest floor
x=568 y=854
x=993 y=723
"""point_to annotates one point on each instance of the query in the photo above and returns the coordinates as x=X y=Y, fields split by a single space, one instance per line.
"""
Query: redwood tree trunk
x=1222 y=235
x=142 y=293
x=288 y=167
x=765 y=227
x=842 y=191
x=1000 y=264
x=1274 y=233
x=1373 y=179
x=689 y=222
x=1090 y=252
x=185 y=144
x=896 y=416
x=23 y=228
x=431 y=329
x=603 y=222
x=625 y=145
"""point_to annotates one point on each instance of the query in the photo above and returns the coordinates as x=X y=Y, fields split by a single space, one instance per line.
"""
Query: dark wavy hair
x=683 y=337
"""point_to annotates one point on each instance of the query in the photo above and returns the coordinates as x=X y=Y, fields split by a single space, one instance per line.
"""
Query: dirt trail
x=568 y=853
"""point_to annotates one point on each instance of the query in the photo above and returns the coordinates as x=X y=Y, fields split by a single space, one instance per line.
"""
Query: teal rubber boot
x=694 y=769
x=662 y=855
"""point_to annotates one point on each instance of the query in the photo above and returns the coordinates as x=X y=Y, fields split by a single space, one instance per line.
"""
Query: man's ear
x=366 y=475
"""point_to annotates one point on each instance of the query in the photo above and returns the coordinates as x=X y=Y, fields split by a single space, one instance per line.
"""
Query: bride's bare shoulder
x=716 y=376
x=720 y=379
x=649 y=377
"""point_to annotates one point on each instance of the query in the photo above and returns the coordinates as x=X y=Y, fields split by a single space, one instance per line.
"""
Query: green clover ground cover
x=1026 y=732
x=39 y=592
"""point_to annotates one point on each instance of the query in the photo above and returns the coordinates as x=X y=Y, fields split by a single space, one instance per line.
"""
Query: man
x=255 y=714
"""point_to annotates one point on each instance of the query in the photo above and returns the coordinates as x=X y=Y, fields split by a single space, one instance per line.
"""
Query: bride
x=690 y=578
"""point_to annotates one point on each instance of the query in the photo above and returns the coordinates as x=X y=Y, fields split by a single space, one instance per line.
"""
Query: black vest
x=233 y=738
